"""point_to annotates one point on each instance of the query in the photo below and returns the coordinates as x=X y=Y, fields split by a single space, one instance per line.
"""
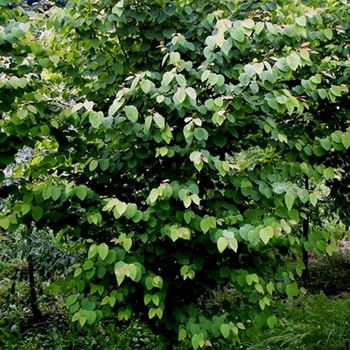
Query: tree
x=139 y=111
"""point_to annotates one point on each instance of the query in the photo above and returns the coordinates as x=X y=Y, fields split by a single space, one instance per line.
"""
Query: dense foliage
x=123 y=124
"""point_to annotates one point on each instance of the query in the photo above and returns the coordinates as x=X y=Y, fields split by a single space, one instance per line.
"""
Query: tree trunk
x=305 y=275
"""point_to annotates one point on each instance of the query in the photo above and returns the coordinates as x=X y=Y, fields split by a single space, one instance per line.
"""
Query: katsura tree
x=140 y=111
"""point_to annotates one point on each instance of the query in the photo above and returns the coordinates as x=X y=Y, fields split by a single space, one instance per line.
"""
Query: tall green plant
x=148 y=105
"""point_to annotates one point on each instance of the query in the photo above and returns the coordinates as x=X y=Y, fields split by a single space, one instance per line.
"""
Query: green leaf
x=22 y=113
x=54 y=288
x=304 y=168
x=167 y=78
x=326 y=144
x=200 y=134
x=148 y=123
x=187 y=201
x=207 y=223
x=96 y=119
x=270 y=288
x=331 y=248
x=266 y=234
x=308 y=246
x=92 y=251
x=153 y=196
x=91 y=317
x=131 y=210
x=253 y=237
x=159 y=120
x=258 y=287
x=313 y=198
x=131 y=113
x=103 y=250
x=54 y=59
x=45 y=130
x=114 y=107
x=336 y=136
x=180 y=95
x=111 y=257
x=233 y=244
x=244 y=79
x=81 y=192
x=293 y=61
x=127 y=243
x=120 y=278
x=93 y=165
x=222 y=244
x=259 y=26
x=174 y=57
x=5 y=223
x=316 y=79
x=254 y=87
x=37 y=213
x=289 y=200
x=182 y=334
x=335 y=90
x=237 y=34
x=195 y=341
x=328 y=33
x=149 y=283
x=88 y=264
x=78 y=271
x=105 y=300
x=292 y=290
x=147 y=298
x=248 y=23
x=155 y=299
x=322 y=93
x=132 y=271
x=249 y=279
x=104 y=164
x=120 y=207
x=71 y=300
x=225 y=330
x=321 y=246
x=301 y=21
x=151 y=312
x=219 y=39
x=56 y=193
x=157 y=282
x=82 y=320
x=224 y=271
x=25 y=208
x=47 y=193
x=146 y=85
x=345 y=139
x=272 y=321
x=191 y=93
x=328 y=173
x=80 y=288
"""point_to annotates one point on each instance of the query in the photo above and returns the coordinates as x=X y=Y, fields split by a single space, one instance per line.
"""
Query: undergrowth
x=312 y=322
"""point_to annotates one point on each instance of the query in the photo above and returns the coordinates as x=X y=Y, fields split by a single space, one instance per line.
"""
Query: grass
x=307 y=323
x=312 y=322
x=60 y=335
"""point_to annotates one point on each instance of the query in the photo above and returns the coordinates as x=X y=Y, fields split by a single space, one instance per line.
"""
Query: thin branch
x=124 y=52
